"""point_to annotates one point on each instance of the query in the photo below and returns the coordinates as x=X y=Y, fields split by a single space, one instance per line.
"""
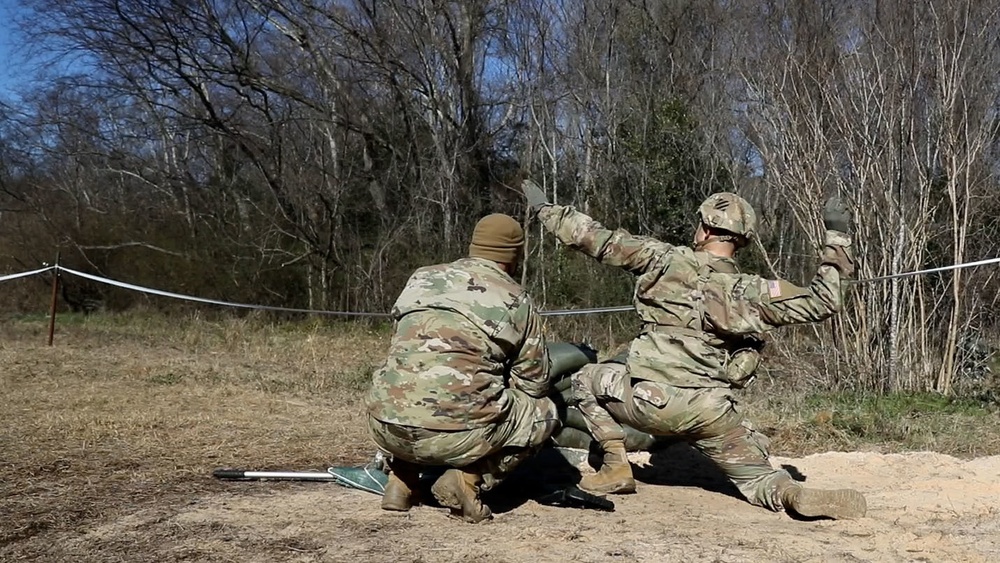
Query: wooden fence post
x=55 y=294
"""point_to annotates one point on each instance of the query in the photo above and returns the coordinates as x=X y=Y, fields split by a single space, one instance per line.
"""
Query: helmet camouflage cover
x=729 y=212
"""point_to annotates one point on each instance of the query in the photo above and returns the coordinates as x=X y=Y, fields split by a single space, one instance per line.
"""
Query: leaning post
x=55 y=294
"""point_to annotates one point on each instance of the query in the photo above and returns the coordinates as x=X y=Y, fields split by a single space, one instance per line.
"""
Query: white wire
x=930 y=270
x=25 y=274
x=162 y=293
x=552 y=313
x=568 y=312
x=214 y=301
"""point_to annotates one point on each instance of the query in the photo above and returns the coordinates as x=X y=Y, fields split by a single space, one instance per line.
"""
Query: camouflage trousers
x=708 y=418
x=496 y=449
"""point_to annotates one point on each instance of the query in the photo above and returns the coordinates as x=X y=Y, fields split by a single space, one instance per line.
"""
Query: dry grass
x=135 y=411
x=802 y=418
x=125 y=410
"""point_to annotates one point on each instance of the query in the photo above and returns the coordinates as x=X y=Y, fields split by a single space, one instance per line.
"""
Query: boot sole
x=395 y=507
x=844 y=504
x=616 y=488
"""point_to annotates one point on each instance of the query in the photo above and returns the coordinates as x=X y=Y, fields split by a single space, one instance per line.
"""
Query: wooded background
x=313 y=153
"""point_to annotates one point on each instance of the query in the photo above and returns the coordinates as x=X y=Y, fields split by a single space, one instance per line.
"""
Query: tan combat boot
x=458 y=489
x=401 y=491
x=838 y=504
x=615 y=474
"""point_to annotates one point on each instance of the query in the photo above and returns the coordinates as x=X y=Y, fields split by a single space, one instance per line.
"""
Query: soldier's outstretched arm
x=743 y=304
x=577 y=230
x=788 y=304
x=785 y=303
x=530 y=370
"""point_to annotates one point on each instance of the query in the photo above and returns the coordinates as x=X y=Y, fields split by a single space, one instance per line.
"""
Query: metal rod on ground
x=55 y=294
x=275 y=475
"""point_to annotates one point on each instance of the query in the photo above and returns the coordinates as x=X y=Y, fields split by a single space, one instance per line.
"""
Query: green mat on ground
x=365 y=478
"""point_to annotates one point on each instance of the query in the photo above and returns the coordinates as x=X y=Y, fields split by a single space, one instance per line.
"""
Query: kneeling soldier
x=466 y=377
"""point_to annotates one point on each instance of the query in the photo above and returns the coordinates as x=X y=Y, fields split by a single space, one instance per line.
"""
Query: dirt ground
x=922 y=507
x=107 y=447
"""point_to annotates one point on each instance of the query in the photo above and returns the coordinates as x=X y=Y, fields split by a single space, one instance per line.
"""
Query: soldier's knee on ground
x=742 y=454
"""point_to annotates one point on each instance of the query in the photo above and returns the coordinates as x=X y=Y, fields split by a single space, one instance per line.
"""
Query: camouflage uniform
x=466 y=378
x=702 y=328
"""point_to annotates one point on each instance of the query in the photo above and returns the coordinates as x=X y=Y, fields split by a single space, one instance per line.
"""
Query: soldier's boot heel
x=401 y=490
x=840 y=504
x=615 y=475
x=459 y=490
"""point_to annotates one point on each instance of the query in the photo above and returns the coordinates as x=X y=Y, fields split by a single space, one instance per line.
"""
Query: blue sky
x=13 y=70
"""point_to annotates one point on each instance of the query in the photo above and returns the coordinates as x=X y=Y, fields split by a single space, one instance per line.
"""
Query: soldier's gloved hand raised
x=836 y=251
x=836 y=217
x=535 y=196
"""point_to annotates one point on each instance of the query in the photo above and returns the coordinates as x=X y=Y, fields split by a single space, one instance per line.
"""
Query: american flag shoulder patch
x=773 y=288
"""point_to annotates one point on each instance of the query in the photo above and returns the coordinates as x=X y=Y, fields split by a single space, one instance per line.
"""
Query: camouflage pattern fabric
x=465 y=332
x=703 y=326
x=497 y=448
x=467 y=375
x=708 y=418
x=730 y=213
x=698 y=311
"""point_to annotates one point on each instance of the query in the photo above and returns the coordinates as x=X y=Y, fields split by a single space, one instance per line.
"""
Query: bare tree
x=866 y=101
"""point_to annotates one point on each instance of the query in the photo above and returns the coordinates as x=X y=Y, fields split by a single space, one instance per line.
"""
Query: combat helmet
x=729 y=212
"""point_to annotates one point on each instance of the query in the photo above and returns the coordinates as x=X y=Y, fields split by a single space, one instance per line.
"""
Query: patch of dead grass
x=120 y=414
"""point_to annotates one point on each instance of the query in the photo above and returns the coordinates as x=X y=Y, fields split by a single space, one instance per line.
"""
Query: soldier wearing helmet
x=703 y=323
x=730 y=216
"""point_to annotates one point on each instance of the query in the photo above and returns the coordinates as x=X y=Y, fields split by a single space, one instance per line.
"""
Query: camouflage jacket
x=464 y=332
x=698 y=311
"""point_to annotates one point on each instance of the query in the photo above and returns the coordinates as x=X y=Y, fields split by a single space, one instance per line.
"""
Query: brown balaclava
x=497 y=237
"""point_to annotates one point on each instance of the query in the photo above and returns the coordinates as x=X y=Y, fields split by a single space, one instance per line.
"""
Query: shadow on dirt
x=681 y=465
x=671 y=464
x=535 y=479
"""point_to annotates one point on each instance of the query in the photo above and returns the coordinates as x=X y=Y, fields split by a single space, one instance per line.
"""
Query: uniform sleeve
x=530 y=370
x=738 y=304
x=612 y=247
x=786 y=303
